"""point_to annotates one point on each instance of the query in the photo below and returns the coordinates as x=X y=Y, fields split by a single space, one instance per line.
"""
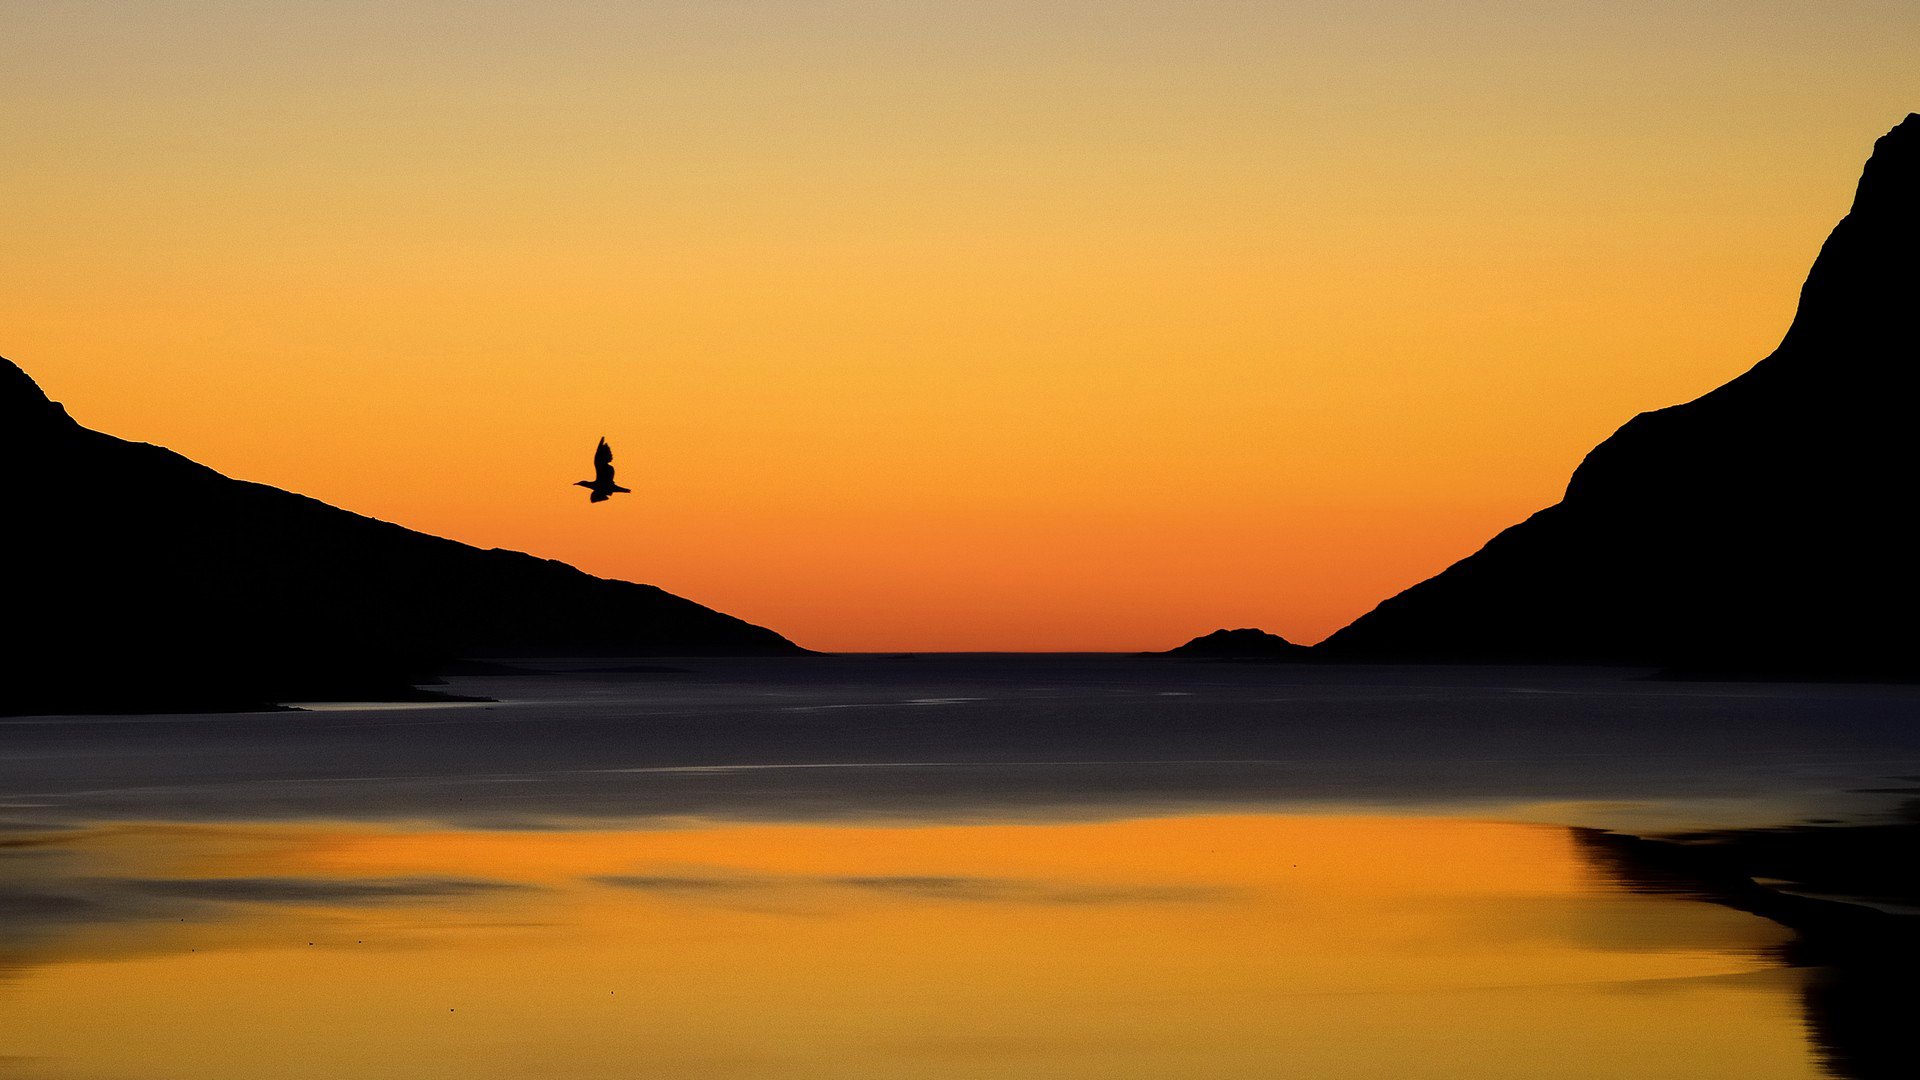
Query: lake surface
x=926 y=867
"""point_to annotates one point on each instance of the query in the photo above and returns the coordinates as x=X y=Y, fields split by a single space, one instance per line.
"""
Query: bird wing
x=603 y=463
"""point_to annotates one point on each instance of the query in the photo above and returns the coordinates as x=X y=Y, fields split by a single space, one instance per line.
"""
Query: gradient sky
x=1048 y=324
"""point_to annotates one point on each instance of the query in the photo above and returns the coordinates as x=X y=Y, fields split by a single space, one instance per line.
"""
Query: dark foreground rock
x=137 y=580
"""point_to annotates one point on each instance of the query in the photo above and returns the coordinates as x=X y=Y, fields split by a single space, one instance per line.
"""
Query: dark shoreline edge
x=1861 y=990
x=1833 y=918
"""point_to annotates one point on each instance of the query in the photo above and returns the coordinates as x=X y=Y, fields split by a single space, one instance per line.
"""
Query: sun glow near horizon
x=926 y=326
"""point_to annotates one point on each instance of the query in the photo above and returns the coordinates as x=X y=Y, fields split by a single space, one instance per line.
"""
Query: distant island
x=142 y=581
x=1761 y=529
x=1245 y=643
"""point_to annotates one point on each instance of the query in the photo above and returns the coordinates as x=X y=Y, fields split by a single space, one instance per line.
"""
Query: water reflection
x=1223 y=946
x=1860 y=1017
x=1860 y=998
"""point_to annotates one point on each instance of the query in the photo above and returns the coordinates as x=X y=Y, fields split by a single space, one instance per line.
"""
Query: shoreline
x=1860 y=993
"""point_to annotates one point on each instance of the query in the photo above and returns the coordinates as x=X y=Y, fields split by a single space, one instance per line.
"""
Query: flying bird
x=602 y=484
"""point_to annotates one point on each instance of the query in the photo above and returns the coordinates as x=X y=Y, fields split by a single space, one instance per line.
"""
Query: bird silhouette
x=602 y=484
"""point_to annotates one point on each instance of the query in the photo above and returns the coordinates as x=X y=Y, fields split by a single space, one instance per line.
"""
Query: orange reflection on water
x=1194 y=947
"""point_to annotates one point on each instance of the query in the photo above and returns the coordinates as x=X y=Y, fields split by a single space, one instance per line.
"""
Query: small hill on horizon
x=1763 y=528
x=1246 y=643
x=140 y=580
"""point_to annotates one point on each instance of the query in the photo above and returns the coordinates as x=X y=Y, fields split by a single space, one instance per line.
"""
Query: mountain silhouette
x=141 y=580
x=1246 y=643
x=1761 y=528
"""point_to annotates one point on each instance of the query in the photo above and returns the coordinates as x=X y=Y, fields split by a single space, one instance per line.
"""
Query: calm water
x=1020 y=867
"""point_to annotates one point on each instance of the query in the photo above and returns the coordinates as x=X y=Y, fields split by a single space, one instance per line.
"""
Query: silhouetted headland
x=1246 y=643
x=139 y=580
x=1760 y=529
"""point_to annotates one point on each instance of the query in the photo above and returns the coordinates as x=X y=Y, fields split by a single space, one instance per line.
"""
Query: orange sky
x=1051 y=324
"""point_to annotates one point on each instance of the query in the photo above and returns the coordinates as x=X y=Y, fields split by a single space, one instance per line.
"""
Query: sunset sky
x=1003 y=324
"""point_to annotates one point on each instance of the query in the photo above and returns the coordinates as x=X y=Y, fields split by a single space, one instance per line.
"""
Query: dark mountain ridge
x=141 y=580
x=1761 y=528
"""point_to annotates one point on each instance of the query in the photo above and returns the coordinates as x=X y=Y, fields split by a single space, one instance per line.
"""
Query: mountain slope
x=1760 y=527
x=141 y=579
